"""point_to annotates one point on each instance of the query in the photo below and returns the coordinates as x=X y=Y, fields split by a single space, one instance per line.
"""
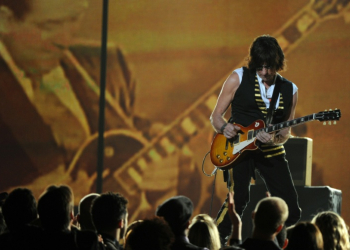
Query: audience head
x=203 y=232
x=269 y=215
x=334 y=230
x=19 y=208
x=152 y=234
x=177 y=211
x=55 y=207
x=109 y=214
x=84 y=212
x=305 y=236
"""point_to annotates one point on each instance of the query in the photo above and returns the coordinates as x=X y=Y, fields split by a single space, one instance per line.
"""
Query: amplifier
x=299 y=156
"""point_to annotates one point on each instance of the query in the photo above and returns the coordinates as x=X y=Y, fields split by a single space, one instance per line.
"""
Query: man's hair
x=177 y=211
x=107 y=210
x=55 y=206
x=150 y=233
x=270 y=213
x=20 y=8
x=19 y=208
x=84 y=211
x=334 y=230
x=265 y=49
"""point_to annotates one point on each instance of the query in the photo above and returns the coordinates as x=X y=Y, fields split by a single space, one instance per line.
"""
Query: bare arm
x=224 y=100
x=236 y=235
x=283 y=135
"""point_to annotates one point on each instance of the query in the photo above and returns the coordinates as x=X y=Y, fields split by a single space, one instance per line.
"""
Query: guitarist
x=249 y=91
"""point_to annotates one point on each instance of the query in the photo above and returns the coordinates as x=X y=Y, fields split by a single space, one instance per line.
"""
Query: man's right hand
x=230 y=130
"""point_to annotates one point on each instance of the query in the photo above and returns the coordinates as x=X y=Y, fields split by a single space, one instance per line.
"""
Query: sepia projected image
x=166 y=63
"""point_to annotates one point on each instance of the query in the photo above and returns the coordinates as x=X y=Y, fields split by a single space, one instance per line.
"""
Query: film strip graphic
x=196 y=117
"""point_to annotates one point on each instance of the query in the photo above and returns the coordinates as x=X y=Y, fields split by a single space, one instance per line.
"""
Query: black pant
x=278 y=180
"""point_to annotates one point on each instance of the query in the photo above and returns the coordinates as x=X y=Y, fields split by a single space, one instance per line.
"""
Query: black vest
x=248 y=106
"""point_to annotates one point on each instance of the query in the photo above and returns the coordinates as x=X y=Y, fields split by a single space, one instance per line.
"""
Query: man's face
x=37 y=42
x=266 y=73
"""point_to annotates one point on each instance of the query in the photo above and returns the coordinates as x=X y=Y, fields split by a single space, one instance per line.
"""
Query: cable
x=210 y=175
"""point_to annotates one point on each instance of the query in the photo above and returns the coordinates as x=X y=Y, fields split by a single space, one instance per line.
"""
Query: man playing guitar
x=249 y=91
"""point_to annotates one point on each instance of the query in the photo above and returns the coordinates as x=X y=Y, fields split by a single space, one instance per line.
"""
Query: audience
x=107 y=215
x=269 y=217
x=333 y=229
x=55 y=207
x=110 y=217
x=152 y=234
x=305 y=236
x=177 y=211
x=19 y=209
x=204 y=233
x=84 y=215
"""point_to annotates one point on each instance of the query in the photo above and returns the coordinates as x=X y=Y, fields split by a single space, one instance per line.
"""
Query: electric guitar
x=224 y=153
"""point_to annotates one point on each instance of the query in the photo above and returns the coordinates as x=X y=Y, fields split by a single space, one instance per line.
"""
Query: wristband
x=223 y=127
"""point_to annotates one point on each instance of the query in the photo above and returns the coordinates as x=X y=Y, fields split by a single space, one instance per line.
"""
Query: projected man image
x=49 y=95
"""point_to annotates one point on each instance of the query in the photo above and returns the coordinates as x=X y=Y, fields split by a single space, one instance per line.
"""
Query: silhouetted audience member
x=55 y=207
x=203 y=232
x=334 y=230
x=177 y=211
x=19 y=209
x=305 y=236
x=84 y=212
x=269 y=217
x=152 y=234
x=110 y=217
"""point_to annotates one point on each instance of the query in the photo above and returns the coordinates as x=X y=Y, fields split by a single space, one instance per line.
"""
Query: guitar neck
x=287 y=124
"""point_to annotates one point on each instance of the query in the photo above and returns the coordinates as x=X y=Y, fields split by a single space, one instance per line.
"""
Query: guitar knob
x=218 y=156
x=335 y=122
x=221 y=160
x=228 y=158
x=324 y=123
x=329 y=123
x=225 y=153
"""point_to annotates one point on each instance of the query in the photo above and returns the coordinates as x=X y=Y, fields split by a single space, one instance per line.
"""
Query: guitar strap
x=275 y=95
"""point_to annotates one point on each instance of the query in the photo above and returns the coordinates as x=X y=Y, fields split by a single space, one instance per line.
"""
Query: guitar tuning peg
x=329 y=123
x=324 y=123
x=335 y=122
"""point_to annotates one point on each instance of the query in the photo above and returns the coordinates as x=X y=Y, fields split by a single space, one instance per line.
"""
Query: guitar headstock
x=330 y=115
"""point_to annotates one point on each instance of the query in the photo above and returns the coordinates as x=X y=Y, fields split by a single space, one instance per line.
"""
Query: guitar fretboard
x=287 y=124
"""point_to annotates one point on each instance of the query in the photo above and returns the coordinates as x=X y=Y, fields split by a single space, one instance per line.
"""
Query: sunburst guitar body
x=225 y=151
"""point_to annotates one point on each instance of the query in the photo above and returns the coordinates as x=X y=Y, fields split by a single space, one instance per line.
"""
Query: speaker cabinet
x=299 y=156
x=312 y=200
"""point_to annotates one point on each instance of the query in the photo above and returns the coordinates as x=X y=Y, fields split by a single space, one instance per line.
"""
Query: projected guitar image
x=225 y=152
